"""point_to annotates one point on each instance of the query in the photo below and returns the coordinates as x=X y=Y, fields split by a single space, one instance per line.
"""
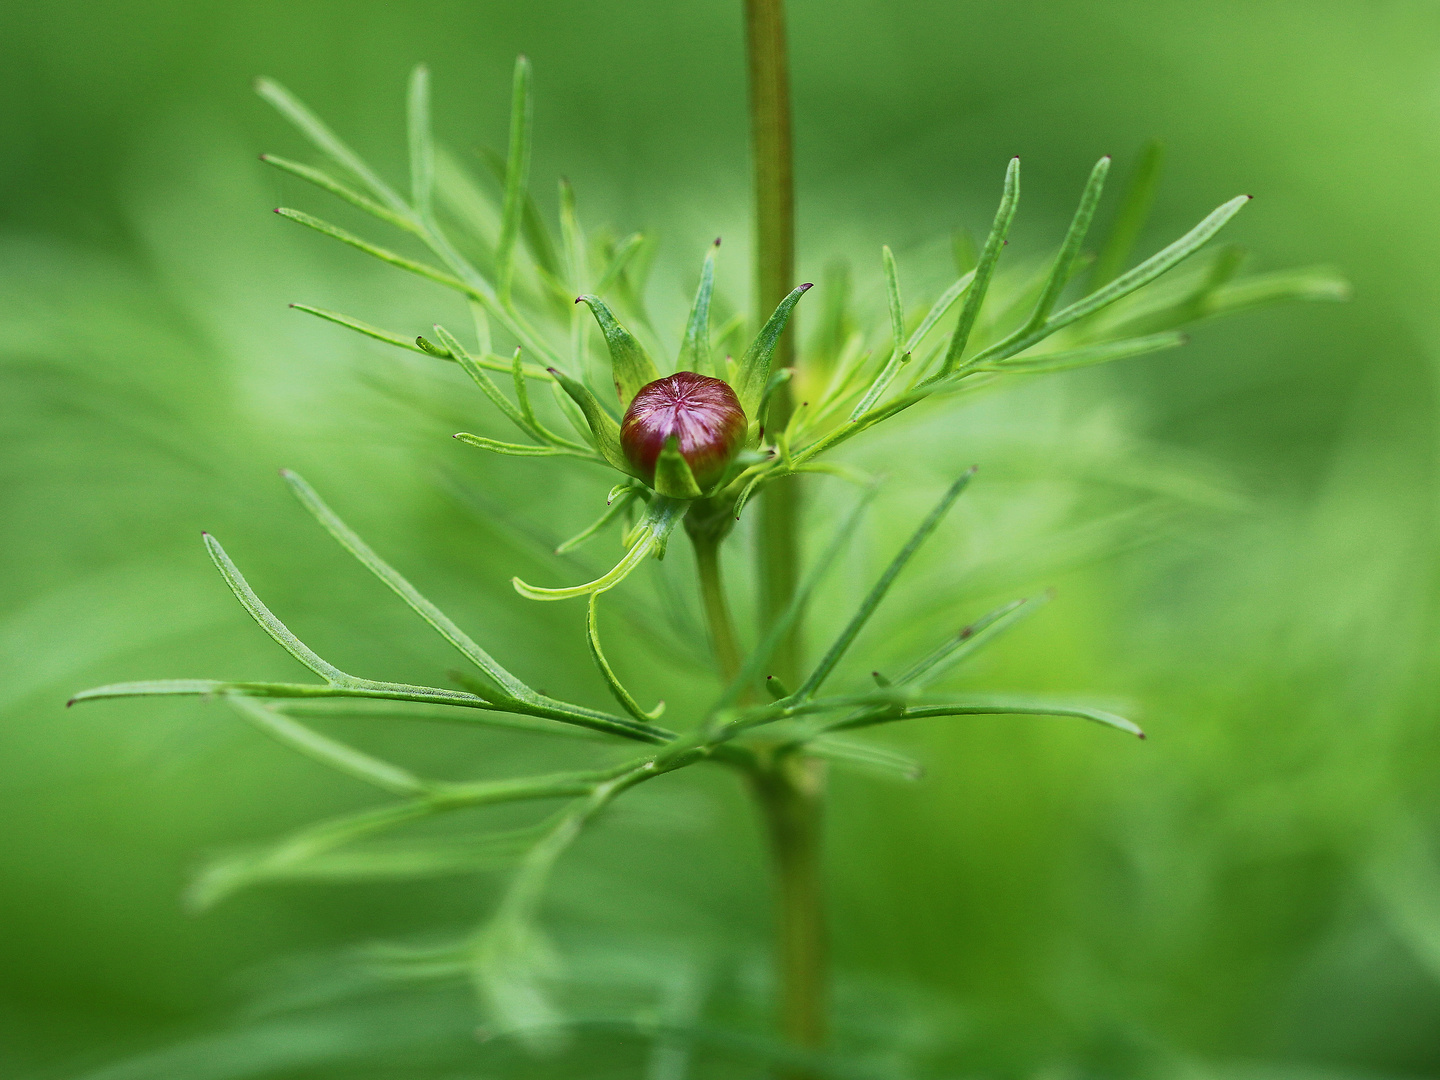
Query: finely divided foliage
x=524 y=285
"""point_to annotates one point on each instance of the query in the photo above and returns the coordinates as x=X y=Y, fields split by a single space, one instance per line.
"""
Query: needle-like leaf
x=1131 y=216
x=267 y=620
x=328 y=183
x=383 y=254
x=759 y=658
x=970 y=640
x=337 y=755
x=422 y=144
x=495 y=446
x=648 y=538
x=624 y=697
x=1088 y=355
x=617 y=506
x=695 y=348
x=1070 y=247
x=407 y=592
x=483 y=381
x=517 y=174
x=872 y=601
x=999 y=706
x=985 y=268
x=314 y=129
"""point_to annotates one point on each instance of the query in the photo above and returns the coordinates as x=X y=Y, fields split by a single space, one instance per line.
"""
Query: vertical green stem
x=717 y=610
x=771 y=147
x=789 y=787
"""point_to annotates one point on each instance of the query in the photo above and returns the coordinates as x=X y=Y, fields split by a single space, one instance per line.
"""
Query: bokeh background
x=1242 y=536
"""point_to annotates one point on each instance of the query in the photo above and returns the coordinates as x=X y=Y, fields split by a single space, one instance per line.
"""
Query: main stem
x=771 y=146
x=789 y=787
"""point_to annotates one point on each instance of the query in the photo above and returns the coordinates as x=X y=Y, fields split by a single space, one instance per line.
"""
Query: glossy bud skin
x=703 y=413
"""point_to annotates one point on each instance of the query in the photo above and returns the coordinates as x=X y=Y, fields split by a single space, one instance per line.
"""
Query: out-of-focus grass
x=1241 y=534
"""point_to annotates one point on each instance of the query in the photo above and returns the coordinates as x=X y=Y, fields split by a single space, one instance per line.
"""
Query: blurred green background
x=1242 y=535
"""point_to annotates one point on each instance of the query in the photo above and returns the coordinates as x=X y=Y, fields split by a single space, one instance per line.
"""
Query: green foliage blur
x=1242 y=535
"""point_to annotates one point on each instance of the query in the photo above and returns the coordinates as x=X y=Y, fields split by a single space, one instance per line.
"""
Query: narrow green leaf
x=617 y=506
x=268 y=622
x=775 y=688
x=619 y=259
x=486 y=360
x=1131 y=216
x=879 y=384
x=873 y=759
x=495 y=446
x=422 y=269
x=1070 y=247
x=411 y=858
x=407 y=592
x=422 y=144
x=1001 y=706
x=970 y=640
x=517 y=174
x=985 y=268
x=532 y=422
x=337 y=755
x=387 y=336
x=623 y=696
x=485 y=383
x=1065 y=359
x=227 y=875
x=532 y=223
x=695 y=348
x=938 y=309
x=673 y=477
x=1260 y=290
x=754 y=371
x=759 y=657
x=602 y=425
x=350 y=195
x=653 y=531
x=313 y=128
x=872 y=601
x=630 y=365
x=892 y=292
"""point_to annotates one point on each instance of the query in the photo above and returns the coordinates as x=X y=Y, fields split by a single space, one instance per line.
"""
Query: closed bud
x=702 y=413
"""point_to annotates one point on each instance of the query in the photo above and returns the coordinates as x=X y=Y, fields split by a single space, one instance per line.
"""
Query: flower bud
x=702 y=413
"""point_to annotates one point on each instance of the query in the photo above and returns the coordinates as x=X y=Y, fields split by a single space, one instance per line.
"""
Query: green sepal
x=695 y=349
x=672 y=473
x=602 y=424
x=754 y=371
x=629 y=362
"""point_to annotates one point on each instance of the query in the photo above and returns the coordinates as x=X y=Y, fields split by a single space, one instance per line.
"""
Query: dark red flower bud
x=703 y=413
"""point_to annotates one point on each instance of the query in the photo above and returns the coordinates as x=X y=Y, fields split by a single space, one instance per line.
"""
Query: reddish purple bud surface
x=703 y=413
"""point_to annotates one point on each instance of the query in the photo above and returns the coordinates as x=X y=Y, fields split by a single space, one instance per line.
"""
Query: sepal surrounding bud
x=681 y=432
x=629 y=362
